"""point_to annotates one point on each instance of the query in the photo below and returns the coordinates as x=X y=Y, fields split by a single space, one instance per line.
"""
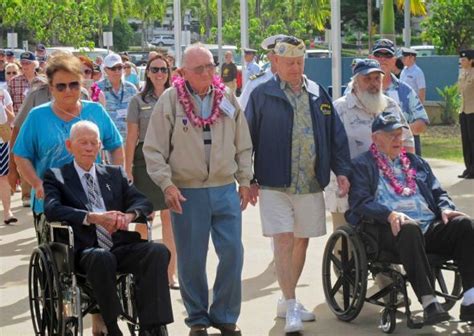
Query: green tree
x=123 y=34
x=451 y=25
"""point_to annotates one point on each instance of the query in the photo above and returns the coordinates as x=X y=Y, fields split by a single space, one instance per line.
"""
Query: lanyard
x=122 y=88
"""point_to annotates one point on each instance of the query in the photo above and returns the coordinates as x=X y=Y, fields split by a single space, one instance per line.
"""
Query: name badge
x=122 y=113
x=227 y=107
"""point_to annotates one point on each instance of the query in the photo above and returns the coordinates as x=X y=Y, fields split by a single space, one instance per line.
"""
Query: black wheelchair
x=352 y=253
x=59 y=296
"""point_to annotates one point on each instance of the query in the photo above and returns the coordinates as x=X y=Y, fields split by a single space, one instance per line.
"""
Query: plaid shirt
x=18 y=89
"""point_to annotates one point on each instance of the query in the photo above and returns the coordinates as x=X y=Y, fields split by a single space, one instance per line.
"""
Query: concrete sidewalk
x=260 y=288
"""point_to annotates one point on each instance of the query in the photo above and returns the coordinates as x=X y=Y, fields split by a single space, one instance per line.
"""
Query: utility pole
x=407 y=30
x=244 y=36
x=336 y=48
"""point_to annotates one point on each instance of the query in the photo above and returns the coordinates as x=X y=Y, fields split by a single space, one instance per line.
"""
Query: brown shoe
x=228 y=329
x=198 y=330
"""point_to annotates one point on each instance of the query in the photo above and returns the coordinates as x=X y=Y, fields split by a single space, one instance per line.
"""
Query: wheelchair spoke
x=336 y=261
x=336 y=286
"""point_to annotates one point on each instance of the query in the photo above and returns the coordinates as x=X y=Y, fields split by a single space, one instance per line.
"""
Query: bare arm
x=422 y=95
x=130 y=144
x=418 y=126
x=117 y=156
x=29 y=174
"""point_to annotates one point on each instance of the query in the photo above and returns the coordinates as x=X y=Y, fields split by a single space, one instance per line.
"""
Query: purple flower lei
x=388 y=172
x=185 y=100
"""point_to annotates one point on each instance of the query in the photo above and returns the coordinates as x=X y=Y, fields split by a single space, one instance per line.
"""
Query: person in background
x=3 y=81
x=251 y=67
x=6 y=118
x=229 y=71
x=40 y=50
x=158 y=75
x=383 y=51
x=10 y=56
x=41 y=64
x=11 y=70
x=412 y=74
x=130 y=75
x=466 y=116
x=118 y=92
x=97 y=73
x=18 y=88
x=397 y=69
x=95 y=93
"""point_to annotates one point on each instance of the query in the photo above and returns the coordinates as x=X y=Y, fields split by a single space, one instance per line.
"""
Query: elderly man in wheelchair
x=99 y=205
x=395 y=197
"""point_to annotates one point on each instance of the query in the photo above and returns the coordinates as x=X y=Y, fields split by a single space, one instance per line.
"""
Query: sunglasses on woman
x=72 y=86
x=116 y=68
x=12 y=73
x=159 y=69
x=87 y=71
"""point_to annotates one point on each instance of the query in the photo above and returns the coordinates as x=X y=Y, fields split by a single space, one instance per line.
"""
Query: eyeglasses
x=116 y=68
x=159 y=69
x=87 y=71
x=12 y=73
x=378 y=54
x=200 y=69
x=127 y=67
x=73 y=86
x=23 y=63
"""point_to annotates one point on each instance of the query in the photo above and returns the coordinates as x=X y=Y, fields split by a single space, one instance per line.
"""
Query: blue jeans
x=214 y=210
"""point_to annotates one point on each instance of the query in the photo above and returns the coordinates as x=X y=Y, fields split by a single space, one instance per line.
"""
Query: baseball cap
x=250 y=51
x=365 y=66
x=468 y=53
x=387 y=122
x=270 y=42
x=408 y=51
x=40 y=47
x=9 y=53
x=27 y=56
x=111 y=60
x=384 y=45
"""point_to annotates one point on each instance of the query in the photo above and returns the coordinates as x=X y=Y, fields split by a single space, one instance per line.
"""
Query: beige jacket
x=466 y=88
x=174 y=149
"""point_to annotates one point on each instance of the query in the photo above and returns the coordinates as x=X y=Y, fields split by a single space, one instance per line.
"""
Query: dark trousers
x=417 y=145
x=467 y=137
x=148 y=262
x=454 y=240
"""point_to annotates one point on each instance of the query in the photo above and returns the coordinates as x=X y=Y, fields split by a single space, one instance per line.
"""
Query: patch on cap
x=290 y=47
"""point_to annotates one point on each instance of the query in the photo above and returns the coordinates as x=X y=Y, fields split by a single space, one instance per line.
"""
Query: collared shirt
x=139 y=112
x=251 y=85
x=303 y=148
x=117 y=102
x=358 y=125
x=415 y=109
x=414 y=206
x=252 y=69
x=205 y=107
x=466 y=89
x=81 y=172
x=18 y=88
x=414 y=77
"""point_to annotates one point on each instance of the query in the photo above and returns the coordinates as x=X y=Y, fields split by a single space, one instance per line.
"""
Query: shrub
x=451 y=103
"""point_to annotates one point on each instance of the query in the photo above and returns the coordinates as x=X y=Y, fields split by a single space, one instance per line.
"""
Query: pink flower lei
x=388 y=172
x=184 y=98
x=95 y=92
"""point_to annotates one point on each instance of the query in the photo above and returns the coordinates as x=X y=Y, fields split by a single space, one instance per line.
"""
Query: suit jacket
x=66 y=200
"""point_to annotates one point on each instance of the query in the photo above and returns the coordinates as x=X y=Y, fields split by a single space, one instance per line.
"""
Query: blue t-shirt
x=43 y=135
x=132 y=78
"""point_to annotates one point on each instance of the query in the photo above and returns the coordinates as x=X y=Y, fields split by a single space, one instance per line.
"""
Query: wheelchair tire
x=388 y=320
x=441 y=287
x=345 y=273
x=45 y=293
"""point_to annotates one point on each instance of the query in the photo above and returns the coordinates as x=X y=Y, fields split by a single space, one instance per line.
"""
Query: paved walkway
x=260 y=289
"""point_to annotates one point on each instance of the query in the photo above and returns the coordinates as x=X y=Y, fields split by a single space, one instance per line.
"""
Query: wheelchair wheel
x=388 y=320
x=345 y=273
x=127 y=296
x=45 y=294
x=450 y=296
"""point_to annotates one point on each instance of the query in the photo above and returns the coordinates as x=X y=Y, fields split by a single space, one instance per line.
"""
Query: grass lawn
x=442 y=142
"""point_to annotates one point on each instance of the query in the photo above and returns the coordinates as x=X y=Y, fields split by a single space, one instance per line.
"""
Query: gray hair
x=83 y=125
x=195 y=47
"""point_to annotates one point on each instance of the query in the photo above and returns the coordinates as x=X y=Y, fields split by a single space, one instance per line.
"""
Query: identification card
x=122 y=113
x=227 y=107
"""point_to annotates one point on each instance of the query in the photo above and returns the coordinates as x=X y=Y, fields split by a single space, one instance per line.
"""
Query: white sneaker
x=293 y=317
x=306 y=316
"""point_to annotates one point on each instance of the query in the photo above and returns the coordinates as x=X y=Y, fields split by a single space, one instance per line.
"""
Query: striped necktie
x=103 y=236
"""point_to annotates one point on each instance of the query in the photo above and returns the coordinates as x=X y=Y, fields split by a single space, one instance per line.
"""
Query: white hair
x=83 y=125
x=193 y=48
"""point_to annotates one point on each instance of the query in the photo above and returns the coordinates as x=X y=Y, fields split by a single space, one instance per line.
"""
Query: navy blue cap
x=384 y=45
x=27 y=56
x=468 y=53
x=365 y=66
x=40 y=47
x=9 y=53
x=387 y=122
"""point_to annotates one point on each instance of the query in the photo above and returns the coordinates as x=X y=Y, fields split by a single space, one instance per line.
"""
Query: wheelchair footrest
x=411 y=324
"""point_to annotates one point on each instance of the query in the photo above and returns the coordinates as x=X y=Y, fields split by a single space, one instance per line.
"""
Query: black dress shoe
x=467 y=313
x=463 y=175
x=228 y=329
x=434 y=314
x=154 y=331
x=198 y=330
x=469 y=176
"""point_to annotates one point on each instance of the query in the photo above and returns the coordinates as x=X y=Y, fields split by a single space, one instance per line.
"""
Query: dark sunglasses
x=87 y=71
x=382 y=55
x=12 y=73
x=116 y=68
x=159 y=69
x=72 y=86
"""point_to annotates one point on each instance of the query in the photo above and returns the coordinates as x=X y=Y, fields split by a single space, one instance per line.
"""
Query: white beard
x=374 y=103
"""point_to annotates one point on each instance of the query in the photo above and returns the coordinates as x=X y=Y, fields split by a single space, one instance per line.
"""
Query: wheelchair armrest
x=144 y=229
x=62 y=233
x=62 y=246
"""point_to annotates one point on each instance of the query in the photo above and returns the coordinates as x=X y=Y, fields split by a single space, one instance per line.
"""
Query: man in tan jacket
x=197 y=144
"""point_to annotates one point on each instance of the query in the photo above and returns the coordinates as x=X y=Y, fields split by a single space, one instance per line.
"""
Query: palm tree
x=417 y=7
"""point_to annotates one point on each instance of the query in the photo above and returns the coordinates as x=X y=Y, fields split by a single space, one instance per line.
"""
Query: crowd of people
x=95 y=149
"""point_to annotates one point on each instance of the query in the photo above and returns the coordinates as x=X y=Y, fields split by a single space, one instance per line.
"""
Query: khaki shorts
x=304 y=215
